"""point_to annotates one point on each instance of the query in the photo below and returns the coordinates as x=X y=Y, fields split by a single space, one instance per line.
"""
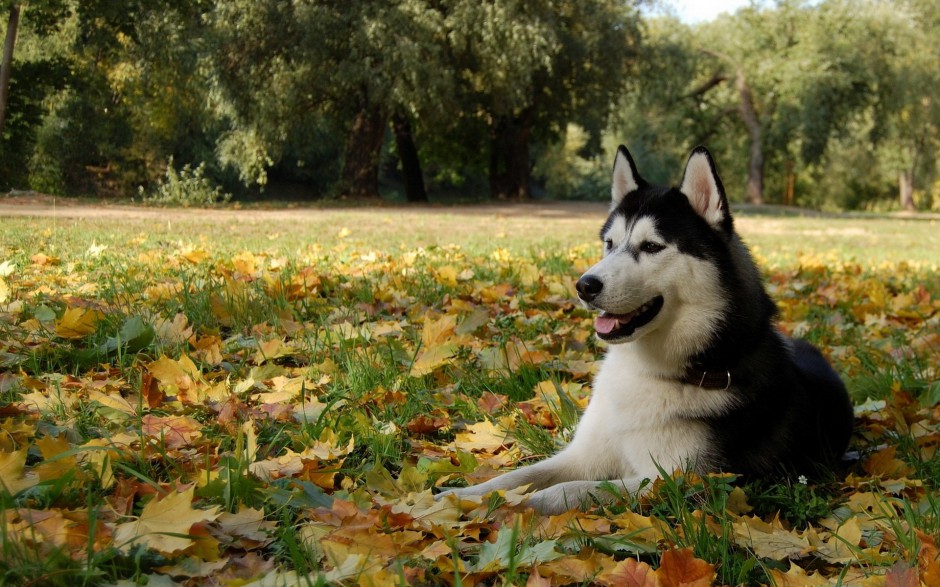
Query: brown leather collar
x=708 y=379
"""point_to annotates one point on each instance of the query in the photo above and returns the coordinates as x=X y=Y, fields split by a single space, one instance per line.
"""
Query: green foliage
x=185 y=187
x=268 y=94
x=567 y=173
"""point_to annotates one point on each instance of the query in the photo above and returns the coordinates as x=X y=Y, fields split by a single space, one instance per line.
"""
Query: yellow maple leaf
x=245 y=263
x=271 y=349
x=98 y=457
x=770 y=540
x=247 y=523
x=446 y=275
x=112 y=401
x=181 y=378
x=175 y=331
x=13 y=478
x=483 y=436
x=77 y=323
x=432 y=358
x=164 y=524
x=194 y=256
x=51 y=447
x=4 y=291
x=797 y=577
x=439 y=331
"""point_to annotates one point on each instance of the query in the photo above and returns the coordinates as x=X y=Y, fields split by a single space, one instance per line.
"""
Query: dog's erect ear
x=626 y=179
x=702 y=186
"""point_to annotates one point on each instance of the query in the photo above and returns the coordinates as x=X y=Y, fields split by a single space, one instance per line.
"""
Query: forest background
x=827 y=105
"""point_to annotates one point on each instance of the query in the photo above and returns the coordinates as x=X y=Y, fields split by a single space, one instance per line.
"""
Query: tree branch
x=716 y=78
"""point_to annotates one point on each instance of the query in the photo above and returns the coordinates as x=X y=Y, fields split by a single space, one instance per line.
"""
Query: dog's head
x=662 y=251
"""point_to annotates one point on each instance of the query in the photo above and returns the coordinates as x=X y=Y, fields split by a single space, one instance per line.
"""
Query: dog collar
x=708 y=379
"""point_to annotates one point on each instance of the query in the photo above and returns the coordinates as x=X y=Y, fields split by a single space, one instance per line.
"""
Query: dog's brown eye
x=608 y=244
x=651 y=247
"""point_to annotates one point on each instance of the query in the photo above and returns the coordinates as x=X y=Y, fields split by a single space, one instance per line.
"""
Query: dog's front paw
x=560 y=498
x=460 y=492
x=550 y=502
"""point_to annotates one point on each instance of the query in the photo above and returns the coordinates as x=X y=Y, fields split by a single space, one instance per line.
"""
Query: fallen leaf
x=164 y=524
x=432 y=358
x=902 y=575
x=770 y=540
x=13 y=478
x=173 y=431
x=797 y=577
x=77 y=323
x=680 y=568
x=629 y=573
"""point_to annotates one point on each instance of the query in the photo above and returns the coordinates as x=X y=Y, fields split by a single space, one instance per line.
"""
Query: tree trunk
x=788 y=197
x=360 y=175
x=6 y=65
x=410 y=162
x=509 y=157
x=906 y=185
x=755 y=166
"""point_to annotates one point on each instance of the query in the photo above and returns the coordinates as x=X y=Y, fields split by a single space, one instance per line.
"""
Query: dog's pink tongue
x=605 y=323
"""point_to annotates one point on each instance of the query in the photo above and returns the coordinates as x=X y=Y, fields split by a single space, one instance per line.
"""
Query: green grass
x=335 y=306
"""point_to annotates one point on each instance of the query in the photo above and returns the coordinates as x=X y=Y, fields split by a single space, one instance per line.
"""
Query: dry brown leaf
x=902 y=575
x=174 y=431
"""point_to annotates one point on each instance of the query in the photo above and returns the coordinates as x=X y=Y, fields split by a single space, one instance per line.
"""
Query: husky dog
x=695 y=374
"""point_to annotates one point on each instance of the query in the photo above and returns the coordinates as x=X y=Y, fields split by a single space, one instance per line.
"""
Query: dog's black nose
x=589 y=287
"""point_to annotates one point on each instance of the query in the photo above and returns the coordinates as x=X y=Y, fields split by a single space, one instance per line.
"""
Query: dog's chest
x=641 y=421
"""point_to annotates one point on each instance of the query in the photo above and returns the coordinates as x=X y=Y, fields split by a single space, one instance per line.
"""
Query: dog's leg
x=564 y=466
x=536 y=476
x=562 y=497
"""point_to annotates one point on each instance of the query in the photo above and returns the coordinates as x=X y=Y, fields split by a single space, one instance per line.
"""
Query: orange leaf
x=681 y=568
x=43 y=259
x=629 y=573
x=429 y=423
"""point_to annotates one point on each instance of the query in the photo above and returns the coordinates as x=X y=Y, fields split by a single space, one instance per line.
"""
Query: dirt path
x=29 y=204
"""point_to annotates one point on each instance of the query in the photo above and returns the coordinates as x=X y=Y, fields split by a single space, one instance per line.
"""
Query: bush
x=186 y=187
x=567 y=174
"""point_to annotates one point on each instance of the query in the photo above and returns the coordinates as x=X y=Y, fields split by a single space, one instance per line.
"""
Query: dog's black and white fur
x=695 y=375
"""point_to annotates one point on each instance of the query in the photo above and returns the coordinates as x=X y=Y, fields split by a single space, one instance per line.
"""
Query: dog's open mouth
x=611 y=326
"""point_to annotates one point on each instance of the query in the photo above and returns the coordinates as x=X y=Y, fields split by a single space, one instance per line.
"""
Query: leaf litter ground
x=273 y=403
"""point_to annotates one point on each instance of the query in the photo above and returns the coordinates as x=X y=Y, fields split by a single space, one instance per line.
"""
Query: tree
x=907 y=114
x=763 y=87
x=44 y=15
x=360 y=64
x=6 y=64
x=529 y=68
